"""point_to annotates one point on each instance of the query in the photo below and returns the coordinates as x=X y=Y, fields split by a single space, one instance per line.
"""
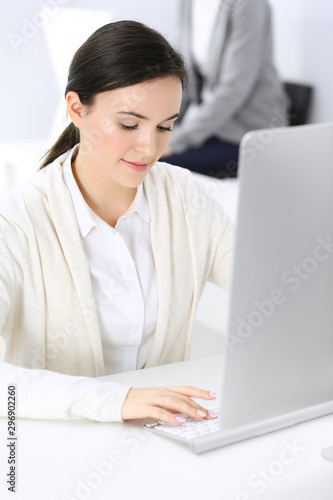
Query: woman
x=105 y=251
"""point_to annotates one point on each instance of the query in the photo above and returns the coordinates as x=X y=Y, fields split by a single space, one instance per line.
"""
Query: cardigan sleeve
x=240 y=66
x=221 y=247
x=210 y=229
x=7 y=278
x=42 y=394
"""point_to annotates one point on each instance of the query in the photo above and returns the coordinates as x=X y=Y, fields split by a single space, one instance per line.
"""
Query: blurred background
x=39 y=38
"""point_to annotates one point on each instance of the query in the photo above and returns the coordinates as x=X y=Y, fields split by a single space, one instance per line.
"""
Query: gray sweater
x=246 y=93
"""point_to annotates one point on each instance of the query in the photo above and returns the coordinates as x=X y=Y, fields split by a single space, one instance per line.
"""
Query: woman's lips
x=137 y=166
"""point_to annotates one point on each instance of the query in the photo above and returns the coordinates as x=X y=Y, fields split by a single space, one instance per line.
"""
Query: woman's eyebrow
x=137 y=115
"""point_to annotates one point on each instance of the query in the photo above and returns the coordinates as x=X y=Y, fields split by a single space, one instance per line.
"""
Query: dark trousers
x=215 y=158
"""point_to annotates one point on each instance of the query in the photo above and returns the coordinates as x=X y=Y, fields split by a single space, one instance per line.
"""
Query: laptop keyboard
x=190 y=429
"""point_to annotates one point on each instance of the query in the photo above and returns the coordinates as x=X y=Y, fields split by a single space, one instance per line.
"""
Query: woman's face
x=127 y=130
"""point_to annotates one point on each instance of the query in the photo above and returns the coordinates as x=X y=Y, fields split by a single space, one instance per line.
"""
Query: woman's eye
x=134 y=127
x=165 y=129
x=128 y=127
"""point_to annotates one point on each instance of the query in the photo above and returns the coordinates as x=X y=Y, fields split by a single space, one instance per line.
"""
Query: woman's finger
x=177 y=402
x=193 y=392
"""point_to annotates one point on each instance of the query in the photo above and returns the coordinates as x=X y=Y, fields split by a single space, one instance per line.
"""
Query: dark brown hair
x=117 y=55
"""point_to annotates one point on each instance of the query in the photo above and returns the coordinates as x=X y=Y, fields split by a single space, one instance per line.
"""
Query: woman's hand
x=161 y=403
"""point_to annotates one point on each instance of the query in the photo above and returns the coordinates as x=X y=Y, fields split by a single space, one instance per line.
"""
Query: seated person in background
x=234 y=87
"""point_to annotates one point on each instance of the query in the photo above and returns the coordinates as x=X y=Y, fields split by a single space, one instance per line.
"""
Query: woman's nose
x=146 y=143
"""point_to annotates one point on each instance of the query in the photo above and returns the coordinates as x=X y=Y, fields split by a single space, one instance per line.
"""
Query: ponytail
x=67 y=140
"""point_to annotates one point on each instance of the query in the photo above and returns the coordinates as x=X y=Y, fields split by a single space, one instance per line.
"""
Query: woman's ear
x=75 y=108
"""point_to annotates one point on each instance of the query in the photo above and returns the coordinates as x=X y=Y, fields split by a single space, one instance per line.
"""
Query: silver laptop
x=278 y=369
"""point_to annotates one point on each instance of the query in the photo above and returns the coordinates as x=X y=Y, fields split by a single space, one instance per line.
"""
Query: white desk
x=54 y=456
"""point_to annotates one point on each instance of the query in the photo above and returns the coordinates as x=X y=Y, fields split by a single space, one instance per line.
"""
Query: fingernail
x=212 y=414
x=201 y=413
x=213 y=394
x=180 y=419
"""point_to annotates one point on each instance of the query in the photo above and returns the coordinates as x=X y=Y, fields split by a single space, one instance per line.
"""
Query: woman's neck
x=107 y=199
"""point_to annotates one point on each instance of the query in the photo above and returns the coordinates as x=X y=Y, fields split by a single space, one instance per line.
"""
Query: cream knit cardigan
x=48 y=317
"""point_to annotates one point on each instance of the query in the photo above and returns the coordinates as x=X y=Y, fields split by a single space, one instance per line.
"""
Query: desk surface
x=88 y=460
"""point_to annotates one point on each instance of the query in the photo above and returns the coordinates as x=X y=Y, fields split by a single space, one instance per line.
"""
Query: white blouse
x=123 y=277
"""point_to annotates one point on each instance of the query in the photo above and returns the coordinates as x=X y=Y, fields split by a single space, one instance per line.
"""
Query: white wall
x=303 y=37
